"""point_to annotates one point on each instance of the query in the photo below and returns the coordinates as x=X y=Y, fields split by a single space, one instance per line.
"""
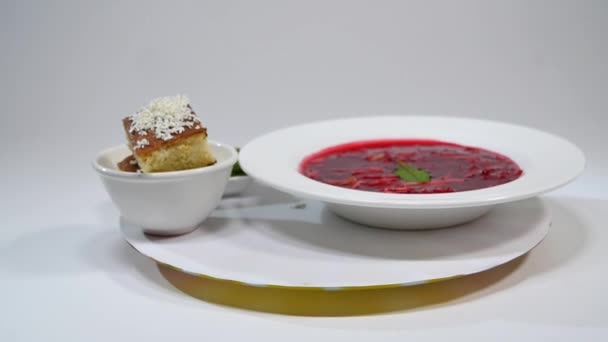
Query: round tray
x=270 y=239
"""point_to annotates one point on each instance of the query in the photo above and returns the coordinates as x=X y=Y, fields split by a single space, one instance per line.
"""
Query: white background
x=70 y=70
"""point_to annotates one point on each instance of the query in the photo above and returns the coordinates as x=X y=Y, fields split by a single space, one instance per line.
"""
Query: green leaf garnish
x=409 y=173
x=236 y=169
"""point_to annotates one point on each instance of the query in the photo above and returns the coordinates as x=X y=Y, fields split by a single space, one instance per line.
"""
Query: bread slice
x=128 y=164
x=168 y=136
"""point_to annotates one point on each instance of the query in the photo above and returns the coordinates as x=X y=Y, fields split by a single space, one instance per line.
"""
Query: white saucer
x=269 y=239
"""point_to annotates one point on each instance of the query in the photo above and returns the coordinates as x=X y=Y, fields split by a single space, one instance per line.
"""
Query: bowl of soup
x=412 y=172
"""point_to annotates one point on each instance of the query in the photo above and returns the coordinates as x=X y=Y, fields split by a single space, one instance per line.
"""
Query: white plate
x=548 y=162
x=271 y=240
x=236 y=185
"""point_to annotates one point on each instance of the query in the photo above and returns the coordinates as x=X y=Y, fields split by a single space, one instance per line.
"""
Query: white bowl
x=548 y=162
x=166 y=203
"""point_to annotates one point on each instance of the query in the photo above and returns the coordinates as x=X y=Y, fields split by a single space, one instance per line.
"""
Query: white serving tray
x=267 y=238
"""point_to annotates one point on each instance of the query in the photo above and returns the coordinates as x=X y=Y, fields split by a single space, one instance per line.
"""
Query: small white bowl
x=236 y=185
x=166 y=203
x=548 y=162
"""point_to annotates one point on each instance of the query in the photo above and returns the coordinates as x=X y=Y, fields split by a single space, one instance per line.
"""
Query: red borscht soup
x=409 y=167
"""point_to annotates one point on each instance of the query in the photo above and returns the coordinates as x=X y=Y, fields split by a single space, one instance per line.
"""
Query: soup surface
x=409 y=167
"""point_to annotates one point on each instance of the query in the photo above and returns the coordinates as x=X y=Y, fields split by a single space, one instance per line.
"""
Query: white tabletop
x=71 y=71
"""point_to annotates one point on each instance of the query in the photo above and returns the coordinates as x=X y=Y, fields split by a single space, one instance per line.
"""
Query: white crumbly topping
x=165 y=117
x=141 y=143
x=133 y=162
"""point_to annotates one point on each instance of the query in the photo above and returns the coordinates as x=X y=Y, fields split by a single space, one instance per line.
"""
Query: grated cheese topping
x=164 y=117
x=141 y=143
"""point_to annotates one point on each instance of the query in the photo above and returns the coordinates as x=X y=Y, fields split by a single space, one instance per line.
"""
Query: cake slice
x=166 y=135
